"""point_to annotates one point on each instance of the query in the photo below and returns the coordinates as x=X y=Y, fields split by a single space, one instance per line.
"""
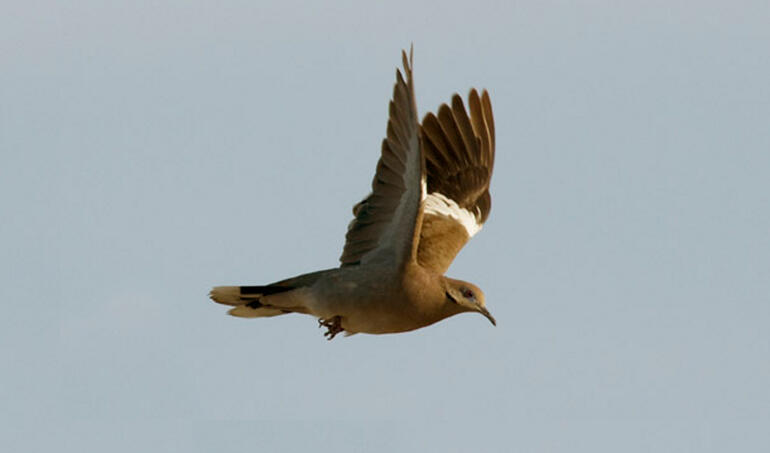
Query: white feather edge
x=439 y=204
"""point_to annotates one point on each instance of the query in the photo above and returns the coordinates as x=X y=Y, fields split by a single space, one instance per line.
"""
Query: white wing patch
x=438 y=204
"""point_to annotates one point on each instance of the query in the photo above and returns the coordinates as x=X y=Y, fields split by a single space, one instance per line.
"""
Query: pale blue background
x=150 y=150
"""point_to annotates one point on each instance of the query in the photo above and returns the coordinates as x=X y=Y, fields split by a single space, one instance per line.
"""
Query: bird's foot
x=333 y=326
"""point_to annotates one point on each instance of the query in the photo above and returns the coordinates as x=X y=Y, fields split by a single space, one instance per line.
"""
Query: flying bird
x=430 y=195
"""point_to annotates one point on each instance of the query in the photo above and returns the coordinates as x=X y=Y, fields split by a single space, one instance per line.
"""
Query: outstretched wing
x=386 y=220
x=459 y=156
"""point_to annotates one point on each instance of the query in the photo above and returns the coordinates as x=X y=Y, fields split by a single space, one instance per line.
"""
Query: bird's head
x=467 y=297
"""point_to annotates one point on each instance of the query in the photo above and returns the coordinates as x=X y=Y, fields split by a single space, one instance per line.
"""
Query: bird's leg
x=333 y=326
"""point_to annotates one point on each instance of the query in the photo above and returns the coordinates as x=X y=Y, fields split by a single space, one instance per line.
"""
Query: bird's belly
x=394 y=320
x=367 y=305
x=369 y=315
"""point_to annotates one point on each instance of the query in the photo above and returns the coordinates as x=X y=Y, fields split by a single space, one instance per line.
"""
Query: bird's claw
x=333 y=326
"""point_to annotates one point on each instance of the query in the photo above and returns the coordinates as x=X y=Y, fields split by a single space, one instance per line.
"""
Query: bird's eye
x=467 y=293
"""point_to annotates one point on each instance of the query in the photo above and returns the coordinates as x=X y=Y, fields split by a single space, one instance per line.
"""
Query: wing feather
x=436 y=147
x=469 y=138
x=451 y=134
x=386 y=224
x=459 y=156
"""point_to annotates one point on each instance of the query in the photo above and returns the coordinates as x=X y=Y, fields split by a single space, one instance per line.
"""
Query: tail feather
x=244 y=311
x=244 y=295
x=246 y=300
x=227 y=295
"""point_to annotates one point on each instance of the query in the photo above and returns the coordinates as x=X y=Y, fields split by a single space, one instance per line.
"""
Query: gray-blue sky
x=150 y=151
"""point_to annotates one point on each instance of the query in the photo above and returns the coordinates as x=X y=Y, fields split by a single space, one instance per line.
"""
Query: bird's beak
x=489 y=316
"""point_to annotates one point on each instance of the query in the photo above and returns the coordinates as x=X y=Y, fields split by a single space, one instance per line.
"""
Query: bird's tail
x=286 y=296
x=245 y=300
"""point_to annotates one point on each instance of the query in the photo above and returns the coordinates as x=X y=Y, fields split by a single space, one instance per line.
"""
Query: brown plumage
x=373 y=223
x=430 y=195
x=459 y=153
